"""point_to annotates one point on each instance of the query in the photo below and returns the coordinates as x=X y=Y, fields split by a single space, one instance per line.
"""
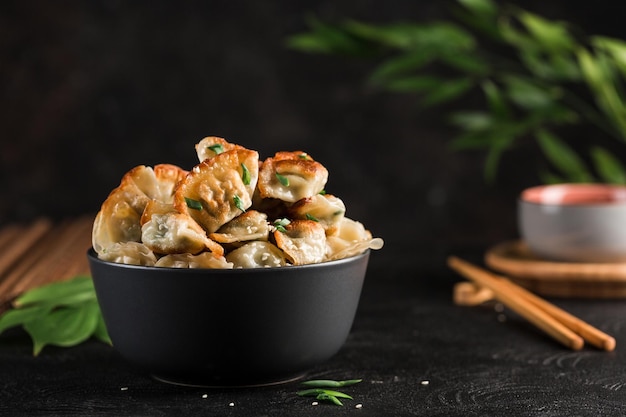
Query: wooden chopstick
x=559 y=324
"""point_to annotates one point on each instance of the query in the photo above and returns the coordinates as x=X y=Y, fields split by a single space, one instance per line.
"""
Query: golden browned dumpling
x=167 y=176
x=257 y=254
x=251 y=225
x=166 y=231
x=129 y=253
x=326 y=209
x=187 y=260
x=302 y=241
x=212 y=145
x=119 y=217
x=352 y=238
x=218 y=189
x=291 y=176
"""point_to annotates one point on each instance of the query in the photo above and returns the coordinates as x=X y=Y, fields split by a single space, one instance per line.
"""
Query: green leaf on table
x=608 y=167
x=63 y=313
x=17 y=317
x=65 y=327
x=68 y=292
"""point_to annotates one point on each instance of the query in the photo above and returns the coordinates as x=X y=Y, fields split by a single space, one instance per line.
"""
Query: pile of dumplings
x=232 y=210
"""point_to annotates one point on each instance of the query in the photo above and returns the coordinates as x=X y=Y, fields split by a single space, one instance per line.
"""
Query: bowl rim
x=93 y=256
x=581 y=195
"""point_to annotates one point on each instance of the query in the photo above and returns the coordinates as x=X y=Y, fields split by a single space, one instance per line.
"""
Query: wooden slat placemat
x=42 y=252
x=558 y=279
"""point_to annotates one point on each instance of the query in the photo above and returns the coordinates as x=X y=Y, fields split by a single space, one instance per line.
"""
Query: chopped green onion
x=245 y=174
x=193 y=204
x=280 y=224
x=217 y=148
x=328 y=397
x=238 y=203
x=329 y=383
x=282 y=179
x=322 y=192
x=313 y=392
x=303 y=156
x=311 y=217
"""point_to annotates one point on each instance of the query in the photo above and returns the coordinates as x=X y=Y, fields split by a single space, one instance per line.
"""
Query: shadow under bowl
x=228 y=327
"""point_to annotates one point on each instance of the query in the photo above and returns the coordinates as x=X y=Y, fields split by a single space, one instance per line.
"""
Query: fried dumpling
x=167 y=176
x=119 y=217
x=257 y=254
x=130 y=253
x=251 y=225
x=166 y=231
x=187 y=260
x=352 y=238
x=291 y=176
x=211 y=146
x=302 y=241
x=218 y=189
x=326 y=209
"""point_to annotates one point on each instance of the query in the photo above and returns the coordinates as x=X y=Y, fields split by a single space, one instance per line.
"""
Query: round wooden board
x=558 y=279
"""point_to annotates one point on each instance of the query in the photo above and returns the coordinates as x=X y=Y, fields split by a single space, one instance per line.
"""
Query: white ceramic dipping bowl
x=574 y=222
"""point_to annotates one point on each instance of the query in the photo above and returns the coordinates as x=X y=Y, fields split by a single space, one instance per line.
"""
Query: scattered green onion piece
x=303 y=156
x=328 y=383
x=245 y=174
x=193 y=204
x=311 y=217
x=238 y=203
x=318 y=391
x=217 y=148
x=280 y=224
x=282 y=179
x=322 y=192
x=331 y=398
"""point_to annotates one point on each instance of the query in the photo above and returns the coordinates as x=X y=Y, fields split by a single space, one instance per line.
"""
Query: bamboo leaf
x=412 y=84
x=496 y=101
x=447 y=91
x=608 y=167
x=550 y=34
x=401 y=64
x=562 y=156
x=484 y=8
x=433 y=35
x=470 y=64
x=616 y=48
x=528 y=95
x=472 y=121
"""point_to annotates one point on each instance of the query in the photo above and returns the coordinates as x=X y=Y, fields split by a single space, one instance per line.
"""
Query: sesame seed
x=124 y=389
x=315 y=403
x=205 y=395
x=231 y=404
x=358 y=406
x=425 y=382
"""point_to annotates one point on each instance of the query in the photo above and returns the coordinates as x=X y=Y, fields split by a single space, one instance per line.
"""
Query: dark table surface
x=417 y=353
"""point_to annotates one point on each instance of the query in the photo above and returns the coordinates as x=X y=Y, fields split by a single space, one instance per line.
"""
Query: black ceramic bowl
x=229 y=327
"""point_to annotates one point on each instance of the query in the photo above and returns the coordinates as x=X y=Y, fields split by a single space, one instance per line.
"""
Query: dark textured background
x=89 y=89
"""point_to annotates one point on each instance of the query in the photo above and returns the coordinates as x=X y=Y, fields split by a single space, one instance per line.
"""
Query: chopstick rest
x=557 y=323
